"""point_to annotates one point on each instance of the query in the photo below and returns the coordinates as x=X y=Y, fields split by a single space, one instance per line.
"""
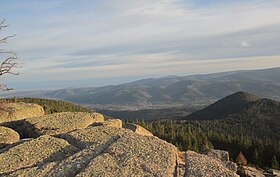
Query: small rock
x=111 y=123
x=231 y=166
x=219 y=154
x=250 y=172
x=137 y=129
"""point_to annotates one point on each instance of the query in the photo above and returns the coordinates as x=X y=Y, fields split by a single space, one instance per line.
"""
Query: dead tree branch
x=9 y=58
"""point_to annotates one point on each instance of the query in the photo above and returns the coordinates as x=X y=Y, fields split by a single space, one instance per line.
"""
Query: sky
x=72 y=43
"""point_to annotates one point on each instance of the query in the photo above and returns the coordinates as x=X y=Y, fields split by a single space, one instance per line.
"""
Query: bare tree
x=8 y=60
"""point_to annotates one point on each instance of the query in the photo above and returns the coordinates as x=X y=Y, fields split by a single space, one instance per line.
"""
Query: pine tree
x=240 y=159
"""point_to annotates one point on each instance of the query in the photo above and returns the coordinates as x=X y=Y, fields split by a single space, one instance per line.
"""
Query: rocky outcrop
x=137 y=129
x=83 y=144
x=8 y=136
x=103 y=151
x=20 y=111
x=203 y=165
x=57 y=123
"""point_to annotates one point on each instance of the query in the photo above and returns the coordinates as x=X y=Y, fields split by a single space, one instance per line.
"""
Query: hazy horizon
x=93 y=43
x=63 y=84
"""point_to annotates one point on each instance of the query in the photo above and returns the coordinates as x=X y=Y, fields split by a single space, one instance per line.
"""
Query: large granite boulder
x=137 y=129
x=20 y=111
x=56 y=123
x=203 y=165
x=8 y=136
x=128 y=153
x=34 y=152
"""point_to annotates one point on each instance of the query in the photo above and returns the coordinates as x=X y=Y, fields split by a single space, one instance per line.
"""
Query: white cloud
x=245 y=44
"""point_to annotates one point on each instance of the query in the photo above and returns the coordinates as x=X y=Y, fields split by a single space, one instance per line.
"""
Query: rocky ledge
x=82 y=144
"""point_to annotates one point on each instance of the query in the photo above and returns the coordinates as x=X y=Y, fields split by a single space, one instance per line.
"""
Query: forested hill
x=237 y=103
x=51 y=106
x=244 y=112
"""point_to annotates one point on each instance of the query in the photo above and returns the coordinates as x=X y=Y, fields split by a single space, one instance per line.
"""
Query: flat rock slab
x=20 y=111
x=8 y=136
x=35 y=152
x=205 y=166
x=57 y=123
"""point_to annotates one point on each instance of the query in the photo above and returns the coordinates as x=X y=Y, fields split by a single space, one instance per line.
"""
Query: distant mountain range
x=200 y=89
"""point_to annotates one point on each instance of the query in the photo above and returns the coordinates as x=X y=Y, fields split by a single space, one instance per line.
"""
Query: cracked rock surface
x=95 y=151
